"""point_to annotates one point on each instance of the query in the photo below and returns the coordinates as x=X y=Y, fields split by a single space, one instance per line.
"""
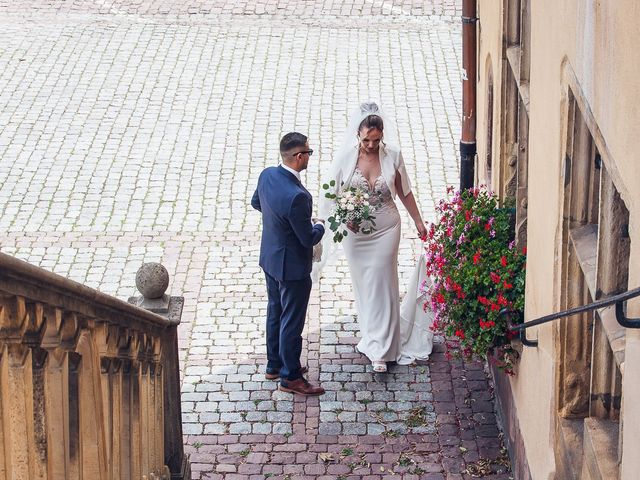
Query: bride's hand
x=422 y=230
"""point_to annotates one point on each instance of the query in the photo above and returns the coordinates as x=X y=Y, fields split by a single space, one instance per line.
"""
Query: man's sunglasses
x=310 y=152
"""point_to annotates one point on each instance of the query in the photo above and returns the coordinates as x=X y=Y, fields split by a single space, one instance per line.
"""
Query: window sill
x=585 y=243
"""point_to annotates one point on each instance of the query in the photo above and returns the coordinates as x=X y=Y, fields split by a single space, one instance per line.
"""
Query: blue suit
x=286 y=252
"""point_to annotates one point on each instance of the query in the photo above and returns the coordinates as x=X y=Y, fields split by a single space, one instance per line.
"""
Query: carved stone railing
x=88 y=383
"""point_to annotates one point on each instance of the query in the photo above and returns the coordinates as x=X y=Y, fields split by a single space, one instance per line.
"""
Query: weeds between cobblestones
x=134 y=131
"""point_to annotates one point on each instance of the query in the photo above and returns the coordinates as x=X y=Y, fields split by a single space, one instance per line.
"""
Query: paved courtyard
x=134 y=131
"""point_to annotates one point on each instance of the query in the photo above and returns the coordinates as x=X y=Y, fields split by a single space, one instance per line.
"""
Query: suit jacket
x=288 y=235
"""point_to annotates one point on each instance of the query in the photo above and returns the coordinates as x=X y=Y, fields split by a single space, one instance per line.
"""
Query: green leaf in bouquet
x=332 y=183
x=325 y=186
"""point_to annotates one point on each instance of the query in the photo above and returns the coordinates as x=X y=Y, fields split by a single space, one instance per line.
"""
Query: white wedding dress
x=388 y=332
x=373 y=263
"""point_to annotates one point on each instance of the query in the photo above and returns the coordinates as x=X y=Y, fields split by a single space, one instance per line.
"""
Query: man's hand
x=315 y=220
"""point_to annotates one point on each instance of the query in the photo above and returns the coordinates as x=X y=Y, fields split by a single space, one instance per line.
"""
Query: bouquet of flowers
x=352 y=209
x=477 y=272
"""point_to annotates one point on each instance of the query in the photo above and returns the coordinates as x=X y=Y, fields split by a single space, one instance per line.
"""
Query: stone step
x=569 y=452
x=600 y=450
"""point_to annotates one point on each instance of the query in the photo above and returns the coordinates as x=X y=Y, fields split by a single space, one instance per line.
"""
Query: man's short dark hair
x=292 y=140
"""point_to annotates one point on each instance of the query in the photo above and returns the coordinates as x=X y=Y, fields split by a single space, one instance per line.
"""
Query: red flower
x=460 y=334
x=495 y=307
x=506 y=285
x=502 y=301
x=467 y=215
x=439 y=298
x=524 y=250
x=495 y=278
x=488 y=324
x=487 y=226
x=483 y=300
x=503 y=261
x=476 y=258
x=458 y=289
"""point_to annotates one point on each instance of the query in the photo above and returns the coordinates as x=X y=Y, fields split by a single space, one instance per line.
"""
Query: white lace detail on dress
x=380 y=195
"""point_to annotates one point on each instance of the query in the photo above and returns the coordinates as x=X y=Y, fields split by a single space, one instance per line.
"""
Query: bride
x=368 y=161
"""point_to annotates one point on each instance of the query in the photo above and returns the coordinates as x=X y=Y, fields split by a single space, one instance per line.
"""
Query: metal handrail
x=617 y=300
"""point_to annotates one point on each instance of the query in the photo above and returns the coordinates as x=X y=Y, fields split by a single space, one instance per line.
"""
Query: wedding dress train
x=415 y=320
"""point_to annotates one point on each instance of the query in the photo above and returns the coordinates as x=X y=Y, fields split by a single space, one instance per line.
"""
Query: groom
x=288 y=237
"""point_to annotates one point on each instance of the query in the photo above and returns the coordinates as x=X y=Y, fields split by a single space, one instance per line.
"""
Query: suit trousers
x=286 y=312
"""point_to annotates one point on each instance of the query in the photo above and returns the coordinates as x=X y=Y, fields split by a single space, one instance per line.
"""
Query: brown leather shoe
x=300 y=386
x=275 y=376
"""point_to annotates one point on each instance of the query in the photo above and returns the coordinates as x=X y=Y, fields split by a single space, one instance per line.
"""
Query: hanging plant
x=477 y=272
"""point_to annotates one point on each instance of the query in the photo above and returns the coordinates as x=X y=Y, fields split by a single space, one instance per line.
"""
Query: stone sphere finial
x=152 y=280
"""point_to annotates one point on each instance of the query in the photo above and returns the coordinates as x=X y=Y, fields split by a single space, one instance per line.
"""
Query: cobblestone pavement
x=134 y=131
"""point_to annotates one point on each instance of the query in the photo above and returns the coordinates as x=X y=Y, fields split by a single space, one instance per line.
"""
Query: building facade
x=558 y=100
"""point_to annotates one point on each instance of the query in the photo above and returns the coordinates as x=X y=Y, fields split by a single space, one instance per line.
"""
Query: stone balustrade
x=89 y=384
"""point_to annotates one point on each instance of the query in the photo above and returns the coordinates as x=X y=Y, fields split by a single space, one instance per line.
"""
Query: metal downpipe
x=468 y=140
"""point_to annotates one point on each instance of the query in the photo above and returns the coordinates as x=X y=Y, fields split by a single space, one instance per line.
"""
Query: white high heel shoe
x=379 y=366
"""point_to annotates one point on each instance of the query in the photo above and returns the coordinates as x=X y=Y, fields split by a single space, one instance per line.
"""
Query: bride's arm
x=409 y=202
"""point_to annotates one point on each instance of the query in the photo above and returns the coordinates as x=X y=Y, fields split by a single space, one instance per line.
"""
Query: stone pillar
x=152 y=281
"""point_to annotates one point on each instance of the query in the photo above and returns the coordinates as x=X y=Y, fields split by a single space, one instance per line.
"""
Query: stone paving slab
x=196 y=8
x=134 y=131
